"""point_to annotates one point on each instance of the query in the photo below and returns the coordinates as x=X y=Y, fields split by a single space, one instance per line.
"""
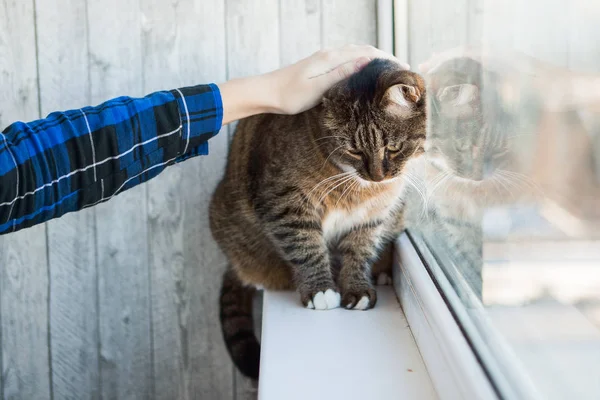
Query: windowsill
x=339 y=354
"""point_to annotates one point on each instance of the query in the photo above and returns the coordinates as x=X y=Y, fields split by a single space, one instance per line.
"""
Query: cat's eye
x=395 y=148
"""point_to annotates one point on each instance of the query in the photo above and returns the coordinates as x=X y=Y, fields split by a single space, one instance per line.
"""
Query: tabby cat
x=309 y=201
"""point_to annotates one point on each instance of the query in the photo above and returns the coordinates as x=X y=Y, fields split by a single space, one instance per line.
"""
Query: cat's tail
x=237 y=324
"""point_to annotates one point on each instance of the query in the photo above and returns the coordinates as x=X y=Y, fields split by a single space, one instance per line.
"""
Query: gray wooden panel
x=24 y=362
x=125 y=348
x=300 y=29
x=253 y=47
x=349 y=22
x=63 y=77
x=252 y=37
x=184 y=44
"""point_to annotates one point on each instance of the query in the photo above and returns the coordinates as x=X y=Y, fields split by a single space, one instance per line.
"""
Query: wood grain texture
x=184 y=44
x=122 y=303
x=300 y=29
x=252 y=37
x=349 y=22
x=64 y=84
x=24 y=361
x=125 y=347
x=253 y=47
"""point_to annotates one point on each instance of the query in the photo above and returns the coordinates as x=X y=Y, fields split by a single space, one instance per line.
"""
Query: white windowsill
x=339 y=354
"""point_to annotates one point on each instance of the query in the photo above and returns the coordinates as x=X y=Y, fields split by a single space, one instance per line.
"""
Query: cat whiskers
x=436 y=183
x=413 y=181
x=348 y=189
x=346 y=179
x=327 y=183
x=499 y=180
x=330 y=154
x=327 y=137
x=521 y=179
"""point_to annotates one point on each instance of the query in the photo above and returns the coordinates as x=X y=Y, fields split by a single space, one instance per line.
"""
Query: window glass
x=506 y=200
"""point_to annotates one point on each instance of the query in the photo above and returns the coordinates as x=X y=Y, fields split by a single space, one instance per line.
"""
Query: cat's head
x=468 y=129
x=375 y=121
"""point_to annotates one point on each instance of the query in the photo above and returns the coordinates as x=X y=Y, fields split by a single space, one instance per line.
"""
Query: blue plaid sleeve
x=76 y=159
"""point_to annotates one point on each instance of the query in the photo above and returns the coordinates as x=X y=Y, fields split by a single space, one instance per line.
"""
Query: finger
x=352 y=52
x=343 y=71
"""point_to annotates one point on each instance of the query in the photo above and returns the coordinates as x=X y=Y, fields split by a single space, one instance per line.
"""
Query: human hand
x=298 y=87
x=301 y=86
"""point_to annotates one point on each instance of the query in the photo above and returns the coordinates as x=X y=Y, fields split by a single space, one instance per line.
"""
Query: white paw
x=326 y=300
x=384 y=279
x=362 y=304
x=310 y=305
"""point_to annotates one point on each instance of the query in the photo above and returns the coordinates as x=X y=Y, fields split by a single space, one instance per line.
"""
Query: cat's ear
x=458 y=100
x=401 y=99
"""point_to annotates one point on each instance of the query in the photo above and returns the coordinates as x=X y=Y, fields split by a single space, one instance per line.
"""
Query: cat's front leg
x=359 y=249
x=299 y=238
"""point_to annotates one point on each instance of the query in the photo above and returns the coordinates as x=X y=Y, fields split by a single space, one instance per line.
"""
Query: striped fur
x=309 y=201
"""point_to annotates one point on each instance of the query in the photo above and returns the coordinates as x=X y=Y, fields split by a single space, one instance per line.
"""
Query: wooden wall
x=120 y=301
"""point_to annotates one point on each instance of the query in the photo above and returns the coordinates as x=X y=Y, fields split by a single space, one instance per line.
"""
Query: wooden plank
x=63 y=67
x=24 y=361
x=252 y=37
x=123 y=286
x=184 y=44
x=349 y=22
x=254 y=46
x=300 y=29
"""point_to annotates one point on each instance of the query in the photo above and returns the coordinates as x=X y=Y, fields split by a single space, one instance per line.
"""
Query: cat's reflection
x=469 y=165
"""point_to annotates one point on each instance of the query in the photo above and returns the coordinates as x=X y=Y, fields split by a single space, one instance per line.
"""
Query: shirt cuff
x=201 y=112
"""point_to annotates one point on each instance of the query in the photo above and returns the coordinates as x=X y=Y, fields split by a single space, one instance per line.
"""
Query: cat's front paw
x=359 y=298
x=321 y=299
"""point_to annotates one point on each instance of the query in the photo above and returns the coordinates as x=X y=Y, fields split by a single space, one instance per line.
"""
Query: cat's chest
x=338 y=221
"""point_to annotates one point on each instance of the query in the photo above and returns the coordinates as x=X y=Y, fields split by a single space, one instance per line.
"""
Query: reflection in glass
x=507 y=197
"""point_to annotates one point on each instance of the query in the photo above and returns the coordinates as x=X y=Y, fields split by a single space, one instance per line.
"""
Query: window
x=506 y=202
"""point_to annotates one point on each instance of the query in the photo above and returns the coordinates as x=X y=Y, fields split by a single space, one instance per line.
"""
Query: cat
x=309 y=201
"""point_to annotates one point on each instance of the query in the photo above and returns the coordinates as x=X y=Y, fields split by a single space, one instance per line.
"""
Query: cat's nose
x=377 y=174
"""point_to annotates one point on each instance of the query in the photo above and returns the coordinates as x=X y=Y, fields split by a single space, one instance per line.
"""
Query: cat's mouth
x=369 y=182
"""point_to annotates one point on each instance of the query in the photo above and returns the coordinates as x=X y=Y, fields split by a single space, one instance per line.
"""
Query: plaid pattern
x=76 y=159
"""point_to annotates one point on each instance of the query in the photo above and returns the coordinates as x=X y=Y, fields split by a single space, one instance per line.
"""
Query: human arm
x=76 y=159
